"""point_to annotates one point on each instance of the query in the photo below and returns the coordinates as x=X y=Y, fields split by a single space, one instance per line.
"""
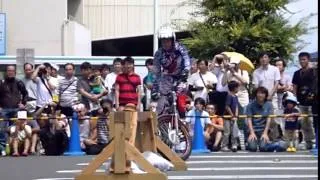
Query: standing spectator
x=219 y=96
x=268 y=76
x=111 y=78
x=147 y=83
x=104 y=71
x=20 y=135
x=31 y=87
x=200 y=108
x=203 y=81
x=242 y=77
x=232 y=109
x=291 y=113
x=194 y=67
x=213 y=133
x=68 y=90
x=259 y=126
x=284 y=86
x=54 y=81
x=13 y=96
x=303 y=87
x=41 y=76
x=84 y=88
x=128 y=86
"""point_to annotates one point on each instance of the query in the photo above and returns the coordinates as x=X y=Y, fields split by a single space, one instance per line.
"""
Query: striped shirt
x=102 y=130
x=68 y=95
x=128 y=88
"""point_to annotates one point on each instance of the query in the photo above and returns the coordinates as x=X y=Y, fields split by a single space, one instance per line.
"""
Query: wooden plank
x=149 y=176
x=99 y=159
x=133 y=121
x=119 y=154
x=111 y=125
x=179 y=164
x=135 y=155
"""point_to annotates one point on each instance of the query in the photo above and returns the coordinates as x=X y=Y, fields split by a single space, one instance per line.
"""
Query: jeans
x=254 y=145
x=228 y=130
x=306 y=124
x=6 y=114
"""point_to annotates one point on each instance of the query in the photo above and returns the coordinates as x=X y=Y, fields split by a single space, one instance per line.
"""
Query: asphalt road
x=241 y=165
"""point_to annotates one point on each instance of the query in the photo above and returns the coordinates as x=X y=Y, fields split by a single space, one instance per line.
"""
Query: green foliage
x=245 y=26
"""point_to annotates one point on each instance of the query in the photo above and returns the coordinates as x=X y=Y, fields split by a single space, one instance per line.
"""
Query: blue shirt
x=292 y=123
x=232 y=102
x=254 y=108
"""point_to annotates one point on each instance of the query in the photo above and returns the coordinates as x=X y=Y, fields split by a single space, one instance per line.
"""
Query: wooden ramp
x=125 y=128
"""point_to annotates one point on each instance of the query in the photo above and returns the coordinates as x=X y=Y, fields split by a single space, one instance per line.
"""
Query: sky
x=303 y=9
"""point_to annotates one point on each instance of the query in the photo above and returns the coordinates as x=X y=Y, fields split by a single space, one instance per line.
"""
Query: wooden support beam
x=99 y=160
x=179 y=164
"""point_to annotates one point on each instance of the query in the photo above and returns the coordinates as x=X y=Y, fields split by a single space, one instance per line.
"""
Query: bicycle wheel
x=183 y=149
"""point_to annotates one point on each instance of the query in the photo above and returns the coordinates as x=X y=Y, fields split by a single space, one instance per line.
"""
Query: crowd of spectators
x=215 y=88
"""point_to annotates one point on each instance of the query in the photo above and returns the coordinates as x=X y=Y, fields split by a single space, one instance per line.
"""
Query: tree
x=245 y=26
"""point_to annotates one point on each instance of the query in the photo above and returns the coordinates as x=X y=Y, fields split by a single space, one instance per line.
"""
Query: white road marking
x=253 y=156
x=76 y=171
x=244 y=177
x=55 y=179
x=253 y=162
x=252 y=168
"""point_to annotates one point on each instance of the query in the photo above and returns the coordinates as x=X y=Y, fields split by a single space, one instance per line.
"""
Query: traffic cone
x=198 y=141
x=74 y=142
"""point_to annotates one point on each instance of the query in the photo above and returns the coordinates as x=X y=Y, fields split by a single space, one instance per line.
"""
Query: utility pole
x=155 y=24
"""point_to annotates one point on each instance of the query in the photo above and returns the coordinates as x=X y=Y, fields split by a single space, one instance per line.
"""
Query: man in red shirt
x=128 y=86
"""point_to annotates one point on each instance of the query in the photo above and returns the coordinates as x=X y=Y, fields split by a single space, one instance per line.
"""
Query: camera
x=232 y=66
x=219 y=60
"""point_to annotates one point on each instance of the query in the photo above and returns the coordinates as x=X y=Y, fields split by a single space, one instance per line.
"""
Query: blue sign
x=3 y=34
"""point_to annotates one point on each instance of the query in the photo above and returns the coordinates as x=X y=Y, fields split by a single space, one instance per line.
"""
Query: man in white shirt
x=111 y=78
x=268 y=76
x=202 y=81
x=41 y=76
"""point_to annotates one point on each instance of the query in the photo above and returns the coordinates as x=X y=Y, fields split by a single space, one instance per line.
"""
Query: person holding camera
x=304 y=87
x=41 y=76
x=218 y=97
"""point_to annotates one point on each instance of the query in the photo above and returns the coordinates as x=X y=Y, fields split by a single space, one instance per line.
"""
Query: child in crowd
x=199 y=108
x=213 y=133
x=20 y=135
x=291 y=122
x=232 y=109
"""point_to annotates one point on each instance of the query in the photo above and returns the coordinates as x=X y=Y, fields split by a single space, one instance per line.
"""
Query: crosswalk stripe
x=253 y=156
x=252 y=168
x=253 y=162
x=289 y=176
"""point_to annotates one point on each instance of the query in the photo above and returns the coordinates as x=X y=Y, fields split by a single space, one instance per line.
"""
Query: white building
x=67 y=27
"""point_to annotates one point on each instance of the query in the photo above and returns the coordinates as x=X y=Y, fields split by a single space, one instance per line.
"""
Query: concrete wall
x=35 y=24
x=77 y=40
x=108 y=19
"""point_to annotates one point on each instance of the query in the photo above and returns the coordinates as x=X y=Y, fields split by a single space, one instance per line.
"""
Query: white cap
x=292 y=98
x=234 y=60
x=22 y=115
x=54 y=66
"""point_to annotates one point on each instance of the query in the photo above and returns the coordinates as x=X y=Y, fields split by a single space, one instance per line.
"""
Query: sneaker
x=309 y=145
x=3 y=153
x=289 y=149
x=293 y=149
x=234 y=149
x=225 y=149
